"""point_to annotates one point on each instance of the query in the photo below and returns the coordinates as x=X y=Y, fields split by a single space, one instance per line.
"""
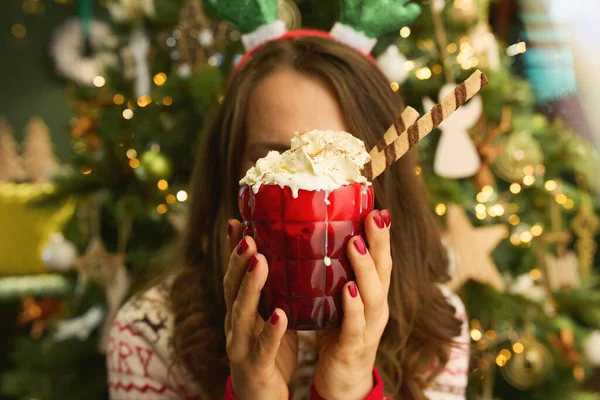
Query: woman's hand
x=347 y=355
x=262 y=355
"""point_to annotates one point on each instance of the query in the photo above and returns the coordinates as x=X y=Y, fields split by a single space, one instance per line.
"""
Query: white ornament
x=526 y=287
x=206 y=38
x=131 y=10
x=80 y=327
x=67 y=51
x=456 y=155
x=391 y=62
x=438 y=5
x=139 y=43
x=485 y=46
x=591 y=348
x=184 y=70
x=59 y=254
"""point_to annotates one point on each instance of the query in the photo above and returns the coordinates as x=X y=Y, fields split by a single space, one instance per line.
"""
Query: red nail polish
x=378 y=218
x=274 y=318
x=242 y=247
x=229 y=228
x=360 y=246
x=353 y=290
x=253 y=263
x=387 y=217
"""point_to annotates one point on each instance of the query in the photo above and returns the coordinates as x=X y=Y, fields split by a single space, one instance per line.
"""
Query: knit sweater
x=140 y=354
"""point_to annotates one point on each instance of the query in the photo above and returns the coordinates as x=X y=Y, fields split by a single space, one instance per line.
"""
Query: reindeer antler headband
x=361 y=22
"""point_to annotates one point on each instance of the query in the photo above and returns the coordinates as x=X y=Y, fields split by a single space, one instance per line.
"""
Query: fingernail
x=242 y=247
x=378 y=218
x=353 y=290
x=229 y=228
x=387 y=217
x=274 y=318
x=253 y=263
x=360 y=246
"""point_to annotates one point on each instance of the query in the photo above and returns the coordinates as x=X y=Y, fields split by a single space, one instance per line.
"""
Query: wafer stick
x=408 y=117
x=424 y=125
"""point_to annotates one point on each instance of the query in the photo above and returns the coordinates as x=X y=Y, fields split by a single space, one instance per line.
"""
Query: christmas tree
x=507 y=182
x=11 y=168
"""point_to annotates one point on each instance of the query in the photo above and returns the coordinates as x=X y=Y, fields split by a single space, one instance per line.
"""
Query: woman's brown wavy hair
x=422 y=324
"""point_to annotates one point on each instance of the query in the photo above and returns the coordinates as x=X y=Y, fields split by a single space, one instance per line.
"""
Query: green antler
x=377 y=17
x=246 y=15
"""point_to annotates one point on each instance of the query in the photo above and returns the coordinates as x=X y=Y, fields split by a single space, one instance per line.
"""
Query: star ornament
x=473 y=247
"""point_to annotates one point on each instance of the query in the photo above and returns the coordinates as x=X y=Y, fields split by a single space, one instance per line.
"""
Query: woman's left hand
x=347 y=355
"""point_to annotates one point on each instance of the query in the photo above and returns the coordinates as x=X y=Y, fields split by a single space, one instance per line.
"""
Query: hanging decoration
x=131 y=10
x=591 y=348
x=39 y=160
x=11 y=163
x=465 y=10
x=391 y=62
x=522 y=151
x=196 y=40
x=473 y=247
x=528 y=369
x=561 y=270
x=68 y=51
x=139 y=45
x=586 y=225
x=38 y=314
x=490 y=151
x=456 y=156
x=485 y=46
x=289 y=13
x=79 y=327
x=59 y=254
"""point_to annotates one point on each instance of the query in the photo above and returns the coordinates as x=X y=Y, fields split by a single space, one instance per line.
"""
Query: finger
x=353 y=322
x=236 y=270
x=235 y=231
x=244 y=309
x=377 y=228
x=366 y=278
x=268 y=342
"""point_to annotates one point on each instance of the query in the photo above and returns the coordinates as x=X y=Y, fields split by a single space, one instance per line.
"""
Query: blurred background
x=103 y=104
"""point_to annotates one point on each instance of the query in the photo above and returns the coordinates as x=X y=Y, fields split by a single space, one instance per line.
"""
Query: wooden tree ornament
x=38 y=152
x=473 y=247
x=11 y=167
x=561 y=270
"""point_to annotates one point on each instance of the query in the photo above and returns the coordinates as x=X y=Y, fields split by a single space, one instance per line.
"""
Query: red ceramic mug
x=304 y=240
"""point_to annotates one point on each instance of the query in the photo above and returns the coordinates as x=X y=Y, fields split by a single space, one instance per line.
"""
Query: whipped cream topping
x=317 y=160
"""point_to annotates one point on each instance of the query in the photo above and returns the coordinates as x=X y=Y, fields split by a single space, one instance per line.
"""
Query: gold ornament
x=288 y=12
x=473 y=247
x=154 y=166
x=528 y=369
x=585 y=225
x=521 y=151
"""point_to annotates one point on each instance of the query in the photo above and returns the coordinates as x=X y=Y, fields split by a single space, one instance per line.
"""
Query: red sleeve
x=376 y=393
x=229 y=391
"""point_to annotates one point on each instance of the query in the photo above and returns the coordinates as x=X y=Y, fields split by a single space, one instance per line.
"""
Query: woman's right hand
x=262 y=355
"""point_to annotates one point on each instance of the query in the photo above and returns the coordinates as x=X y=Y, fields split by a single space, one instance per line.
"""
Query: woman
x=169 y=342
